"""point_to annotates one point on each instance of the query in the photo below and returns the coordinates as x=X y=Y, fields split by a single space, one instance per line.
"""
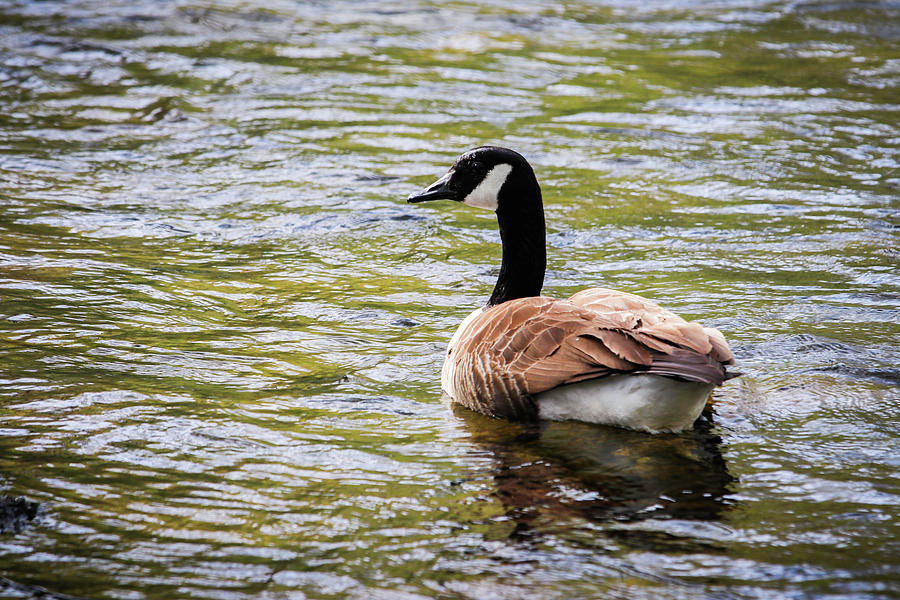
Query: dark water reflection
x=221 y=326
x=576 y=470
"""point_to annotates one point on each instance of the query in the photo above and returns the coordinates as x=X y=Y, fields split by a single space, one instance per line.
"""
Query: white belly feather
x=644 y=402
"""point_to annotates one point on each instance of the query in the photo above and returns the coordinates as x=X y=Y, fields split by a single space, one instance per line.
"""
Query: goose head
x=487 y=177
x=502 y=181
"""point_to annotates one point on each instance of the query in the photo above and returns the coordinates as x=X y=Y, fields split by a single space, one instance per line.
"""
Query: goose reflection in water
x=557 y=470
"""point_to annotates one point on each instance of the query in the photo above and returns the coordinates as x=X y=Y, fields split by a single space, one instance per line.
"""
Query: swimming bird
x=600 y=356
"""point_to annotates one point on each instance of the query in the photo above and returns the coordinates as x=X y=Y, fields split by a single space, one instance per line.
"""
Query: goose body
x=600 y=356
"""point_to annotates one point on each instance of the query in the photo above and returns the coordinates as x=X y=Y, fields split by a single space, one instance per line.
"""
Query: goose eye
x=478 y=165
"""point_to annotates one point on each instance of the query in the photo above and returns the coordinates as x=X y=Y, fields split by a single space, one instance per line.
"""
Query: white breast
x=644 y=402
x=450 y=365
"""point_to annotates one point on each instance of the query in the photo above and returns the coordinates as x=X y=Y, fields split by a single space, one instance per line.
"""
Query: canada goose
x=600 y=356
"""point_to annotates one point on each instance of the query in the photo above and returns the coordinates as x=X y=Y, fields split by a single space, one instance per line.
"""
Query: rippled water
x=222 y=325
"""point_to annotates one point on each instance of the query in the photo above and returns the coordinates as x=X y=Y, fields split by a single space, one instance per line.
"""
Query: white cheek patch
x=485 y=194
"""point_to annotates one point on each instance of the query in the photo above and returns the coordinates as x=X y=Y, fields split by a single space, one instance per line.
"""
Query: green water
x=222 y=325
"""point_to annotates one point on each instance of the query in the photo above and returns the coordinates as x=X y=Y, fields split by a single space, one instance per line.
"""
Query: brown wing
x=511 y=352
x=654 y=323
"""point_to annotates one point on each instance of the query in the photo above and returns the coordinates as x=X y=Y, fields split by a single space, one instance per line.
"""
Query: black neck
x=521 y=220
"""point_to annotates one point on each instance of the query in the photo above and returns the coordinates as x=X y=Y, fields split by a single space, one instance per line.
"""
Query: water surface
x=222 y=326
